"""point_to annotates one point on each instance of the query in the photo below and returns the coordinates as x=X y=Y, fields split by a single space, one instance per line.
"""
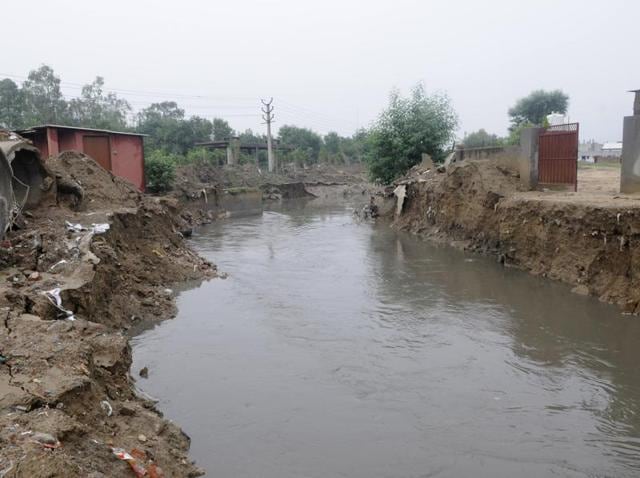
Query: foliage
x=11 y=105
x=169 y=130
x=301 y=138
x=420 y=123
x=160 y=170
x=43 y=99
x=332 y=142
x=221 y=129
x=248 y=136
x=95 y=109
x=535 y=107
x=514 y=133
x=481 y=138
x=299 y=157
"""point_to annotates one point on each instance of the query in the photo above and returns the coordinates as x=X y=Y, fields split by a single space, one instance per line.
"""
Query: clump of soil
x=109 y=255
x=477 y=205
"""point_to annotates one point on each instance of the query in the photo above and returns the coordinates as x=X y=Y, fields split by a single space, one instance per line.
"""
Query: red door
x=97 y=147
x=558 y=155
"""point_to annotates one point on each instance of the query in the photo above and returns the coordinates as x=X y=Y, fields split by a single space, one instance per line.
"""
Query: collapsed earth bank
x=590 y=242
x=94 y=259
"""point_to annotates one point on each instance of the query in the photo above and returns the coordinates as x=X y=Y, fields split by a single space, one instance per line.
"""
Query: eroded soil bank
x=587 y=240
x=66 y=397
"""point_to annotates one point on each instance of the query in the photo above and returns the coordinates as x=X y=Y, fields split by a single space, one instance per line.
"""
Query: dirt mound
x=92 y=186
x=477 y=205
x=74 y=277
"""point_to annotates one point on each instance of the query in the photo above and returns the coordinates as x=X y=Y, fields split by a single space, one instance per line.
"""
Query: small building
x=612 y=150
x=588 y=151
x=120 y=152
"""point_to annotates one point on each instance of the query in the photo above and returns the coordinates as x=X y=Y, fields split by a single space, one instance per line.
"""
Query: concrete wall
x=522 y=158
x=505 y=156
x=630 y=174
x=528 y=158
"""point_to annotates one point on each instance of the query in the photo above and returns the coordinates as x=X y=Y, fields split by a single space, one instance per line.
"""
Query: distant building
x=613 y=149
x=589 y=151
x=120 y=152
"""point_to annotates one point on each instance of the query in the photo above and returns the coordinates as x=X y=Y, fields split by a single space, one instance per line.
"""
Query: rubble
x=66 y=394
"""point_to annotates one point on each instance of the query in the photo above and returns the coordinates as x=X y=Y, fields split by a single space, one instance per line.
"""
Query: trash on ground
x=47 y=440
x=54 y=297
x=106 y=406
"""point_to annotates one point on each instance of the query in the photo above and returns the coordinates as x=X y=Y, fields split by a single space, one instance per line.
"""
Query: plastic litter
x=46 y=440
x=59 y=263
x=95 y=228
x=54 y=297
x=139 y=469
x=106 y=406
x=6 y=470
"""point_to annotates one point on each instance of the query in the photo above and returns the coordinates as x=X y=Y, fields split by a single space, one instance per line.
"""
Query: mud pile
x=589 y=243
x=79 y=271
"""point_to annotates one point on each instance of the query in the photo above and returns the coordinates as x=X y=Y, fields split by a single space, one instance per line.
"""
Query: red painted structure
x=122 y=153
x=558 y=155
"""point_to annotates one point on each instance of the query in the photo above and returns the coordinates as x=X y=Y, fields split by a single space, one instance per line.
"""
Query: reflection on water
x=344 y=349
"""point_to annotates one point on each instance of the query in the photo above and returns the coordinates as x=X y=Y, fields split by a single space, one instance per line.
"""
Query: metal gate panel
x=558 y=155
x=99 y=149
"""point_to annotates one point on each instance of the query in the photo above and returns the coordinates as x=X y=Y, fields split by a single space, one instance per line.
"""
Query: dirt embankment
x=204 y=190
x=94 y=259
x=589 y=241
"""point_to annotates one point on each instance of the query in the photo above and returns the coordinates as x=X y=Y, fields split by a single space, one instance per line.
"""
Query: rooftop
x=33 y=129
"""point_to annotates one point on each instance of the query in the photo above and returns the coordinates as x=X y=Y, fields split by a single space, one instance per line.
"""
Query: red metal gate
x=558 y=155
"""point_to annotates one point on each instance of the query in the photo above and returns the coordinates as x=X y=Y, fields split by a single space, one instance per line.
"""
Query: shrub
x=160 y=170
x=420 y=123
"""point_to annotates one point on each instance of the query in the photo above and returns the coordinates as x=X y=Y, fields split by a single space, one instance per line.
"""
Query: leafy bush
x=409 y=127
x=160 y=170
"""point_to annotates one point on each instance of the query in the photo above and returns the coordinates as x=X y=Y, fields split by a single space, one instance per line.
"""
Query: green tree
x=332 y=142
x=535 y=107
x=11 y=105
x=221 y=129
x=95 y=109
x=419 y=123
x=303 y=139
x=248 y=136
x=480 y=138
x=43 y=99
x=169 y=130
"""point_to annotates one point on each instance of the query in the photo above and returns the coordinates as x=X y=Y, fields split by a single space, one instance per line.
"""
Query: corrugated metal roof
x=94 y=130
x=612 y=145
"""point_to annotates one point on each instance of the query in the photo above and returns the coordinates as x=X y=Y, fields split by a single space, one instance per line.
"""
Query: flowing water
x=337 y=348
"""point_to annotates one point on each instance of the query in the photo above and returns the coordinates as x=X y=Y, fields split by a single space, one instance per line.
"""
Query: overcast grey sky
x=330 y=64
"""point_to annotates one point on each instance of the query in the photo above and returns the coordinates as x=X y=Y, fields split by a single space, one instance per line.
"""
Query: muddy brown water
x=344 y=349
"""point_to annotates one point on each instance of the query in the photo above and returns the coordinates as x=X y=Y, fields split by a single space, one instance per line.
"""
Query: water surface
x=343 y=349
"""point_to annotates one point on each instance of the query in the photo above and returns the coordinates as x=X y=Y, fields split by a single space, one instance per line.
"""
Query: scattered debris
x=47 y=440
x=106 y=406
x=144 y=372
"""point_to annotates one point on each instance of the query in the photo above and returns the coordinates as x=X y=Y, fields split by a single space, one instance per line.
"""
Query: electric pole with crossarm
x=267 y=116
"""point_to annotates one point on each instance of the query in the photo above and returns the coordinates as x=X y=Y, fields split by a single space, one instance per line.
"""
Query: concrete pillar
x=233 y=151
x=630 y=173
x=528 y=160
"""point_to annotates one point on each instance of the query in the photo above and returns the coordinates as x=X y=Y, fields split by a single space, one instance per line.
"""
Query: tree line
x=409 y=126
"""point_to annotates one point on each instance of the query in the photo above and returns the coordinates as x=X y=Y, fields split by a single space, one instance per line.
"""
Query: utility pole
x=267 y=116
